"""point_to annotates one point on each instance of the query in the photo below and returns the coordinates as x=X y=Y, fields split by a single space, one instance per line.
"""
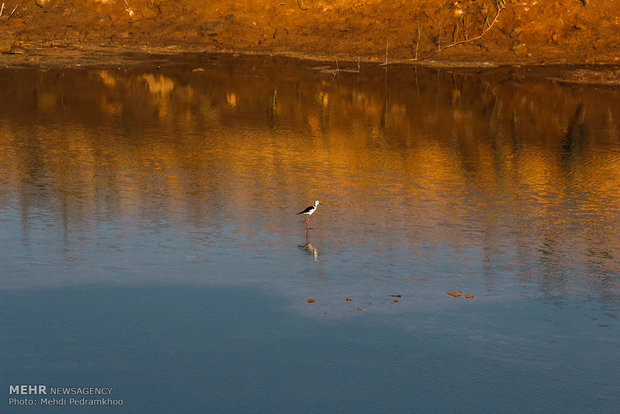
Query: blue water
x=222 y=349
x=149 y=241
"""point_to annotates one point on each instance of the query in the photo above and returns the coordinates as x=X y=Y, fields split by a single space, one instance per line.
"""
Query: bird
x=308 y=212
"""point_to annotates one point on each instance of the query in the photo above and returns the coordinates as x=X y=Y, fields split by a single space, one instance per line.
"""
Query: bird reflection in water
x=309 y=247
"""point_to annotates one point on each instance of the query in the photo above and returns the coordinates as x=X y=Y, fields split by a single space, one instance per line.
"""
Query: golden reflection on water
x=481 y=160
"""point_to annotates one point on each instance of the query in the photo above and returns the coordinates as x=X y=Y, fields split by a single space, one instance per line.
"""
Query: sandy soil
x=468 y=32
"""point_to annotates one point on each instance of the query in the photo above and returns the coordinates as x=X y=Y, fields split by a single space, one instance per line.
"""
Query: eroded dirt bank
x=491 y=31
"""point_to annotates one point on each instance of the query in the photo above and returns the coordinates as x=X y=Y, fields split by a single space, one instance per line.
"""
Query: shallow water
x=149 y=239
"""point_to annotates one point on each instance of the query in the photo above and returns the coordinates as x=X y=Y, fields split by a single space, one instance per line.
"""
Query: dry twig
x=486 y=26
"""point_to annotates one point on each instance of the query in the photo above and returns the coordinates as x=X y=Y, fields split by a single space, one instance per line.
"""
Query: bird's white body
x=311 y=209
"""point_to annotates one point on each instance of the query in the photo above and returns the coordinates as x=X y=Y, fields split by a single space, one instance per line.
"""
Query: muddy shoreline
x=577 y=34
x=603 y=75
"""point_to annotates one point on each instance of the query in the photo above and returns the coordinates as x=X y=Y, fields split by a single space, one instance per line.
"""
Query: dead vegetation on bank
x=499 y=31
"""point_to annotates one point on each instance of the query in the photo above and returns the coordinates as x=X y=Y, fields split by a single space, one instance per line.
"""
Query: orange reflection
x=404 y=156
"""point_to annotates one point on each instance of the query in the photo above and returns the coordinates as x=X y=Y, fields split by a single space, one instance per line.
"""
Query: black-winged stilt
x=308 y=211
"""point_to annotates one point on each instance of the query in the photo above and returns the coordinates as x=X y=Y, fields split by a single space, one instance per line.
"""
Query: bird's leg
x=308 y=222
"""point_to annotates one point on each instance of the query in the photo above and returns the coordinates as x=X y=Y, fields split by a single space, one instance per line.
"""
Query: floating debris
x=311 y=300
x=360 y=308
x=349 y=299
x=457 y=294
x=396 y=296
x=395 y=300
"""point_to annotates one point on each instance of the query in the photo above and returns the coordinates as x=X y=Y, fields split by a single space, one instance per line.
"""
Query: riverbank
x=567 y=32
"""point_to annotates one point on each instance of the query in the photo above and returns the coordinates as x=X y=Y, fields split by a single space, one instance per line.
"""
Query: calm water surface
x=149 y=241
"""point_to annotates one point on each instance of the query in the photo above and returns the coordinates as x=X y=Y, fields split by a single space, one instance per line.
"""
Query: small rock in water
x=41 y=3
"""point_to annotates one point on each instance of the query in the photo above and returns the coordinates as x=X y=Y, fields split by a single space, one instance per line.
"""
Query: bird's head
x=316 y=203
